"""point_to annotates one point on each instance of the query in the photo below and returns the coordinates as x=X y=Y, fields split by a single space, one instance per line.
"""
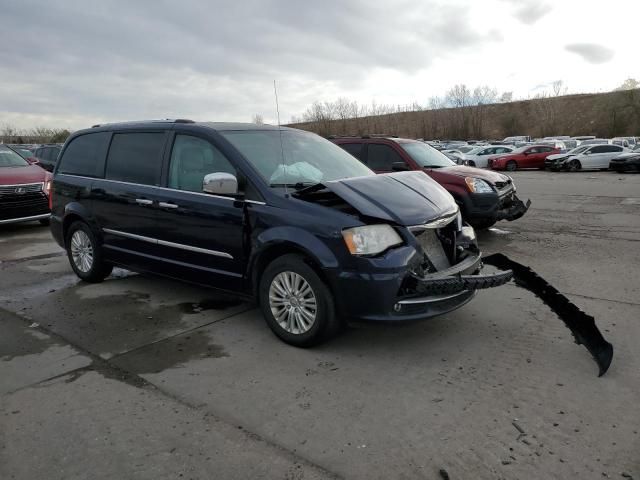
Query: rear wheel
x=574 y=165
x=297 y=305
x=85 y=254
x=511 y=165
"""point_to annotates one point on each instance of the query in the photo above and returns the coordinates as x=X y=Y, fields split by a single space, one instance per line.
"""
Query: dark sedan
x=627 y=162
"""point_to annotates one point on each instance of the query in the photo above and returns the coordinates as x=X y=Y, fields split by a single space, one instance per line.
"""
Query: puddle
x=210 y=304
x=170 y=353
x=18 y=340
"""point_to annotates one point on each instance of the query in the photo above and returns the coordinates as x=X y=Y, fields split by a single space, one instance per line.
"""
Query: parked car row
x=43 y=155
x=547 y=153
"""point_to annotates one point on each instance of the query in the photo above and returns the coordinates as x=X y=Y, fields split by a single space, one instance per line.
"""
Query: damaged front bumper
x=512 y=208
x=395 y=288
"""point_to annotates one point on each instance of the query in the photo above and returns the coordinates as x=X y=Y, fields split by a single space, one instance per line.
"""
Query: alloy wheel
x=81 y=251
x=292 y=302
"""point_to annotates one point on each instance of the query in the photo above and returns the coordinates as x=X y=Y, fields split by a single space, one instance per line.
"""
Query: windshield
x=577 y=150
x=466 y=149
x=301 y=159
x=426 y=156
x=9 y=158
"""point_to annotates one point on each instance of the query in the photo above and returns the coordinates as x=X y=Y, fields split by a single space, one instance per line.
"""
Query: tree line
x=463 y=113
x=11 y=134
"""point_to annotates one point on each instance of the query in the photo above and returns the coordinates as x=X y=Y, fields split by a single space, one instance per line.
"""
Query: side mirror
x=220 y=183
x=587 y=152
x=399 y=166
x=33 y=161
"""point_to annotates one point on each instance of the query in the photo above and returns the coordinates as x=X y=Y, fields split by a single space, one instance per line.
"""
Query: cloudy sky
x=72 y=63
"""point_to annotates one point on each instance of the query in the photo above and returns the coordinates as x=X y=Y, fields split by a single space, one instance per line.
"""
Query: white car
x=585 y=157
x=478 y=157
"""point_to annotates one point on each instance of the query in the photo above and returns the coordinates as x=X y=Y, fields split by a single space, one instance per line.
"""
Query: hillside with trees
x=483 y=114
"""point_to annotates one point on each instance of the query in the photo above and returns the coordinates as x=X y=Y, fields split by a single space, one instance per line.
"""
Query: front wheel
x=511 y=165
x=574 y=165
x=297 y=305
x=85 y=254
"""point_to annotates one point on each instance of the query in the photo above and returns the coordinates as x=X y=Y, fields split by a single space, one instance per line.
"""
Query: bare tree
x=258 y=119
x=628 y=84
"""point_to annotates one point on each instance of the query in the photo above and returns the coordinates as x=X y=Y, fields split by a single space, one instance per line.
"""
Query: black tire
x=481 y=223
x=325 y=324
x=472 y=163
x=574 y=165
x=512 y=166
x=44 y=221
x=98 y=270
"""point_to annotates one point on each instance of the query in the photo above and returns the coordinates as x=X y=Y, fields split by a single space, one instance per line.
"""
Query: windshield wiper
x=296 y=186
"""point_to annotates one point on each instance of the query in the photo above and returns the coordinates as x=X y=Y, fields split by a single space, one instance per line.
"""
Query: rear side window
x=136 y=158
x=354 y=149
x=85 y=155
x=382 y=157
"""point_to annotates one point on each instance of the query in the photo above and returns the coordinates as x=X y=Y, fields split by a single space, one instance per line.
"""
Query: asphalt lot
x=141 y=377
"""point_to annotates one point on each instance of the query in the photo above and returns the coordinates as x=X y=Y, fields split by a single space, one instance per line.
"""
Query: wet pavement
x=141 y=377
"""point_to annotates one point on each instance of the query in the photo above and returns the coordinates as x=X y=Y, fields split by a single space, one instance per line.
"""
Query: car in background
x=558 y=144
x=626 y=162
x=24 y=189
x=585 y=157
x=479 y=156
x=530 y=156
x=595 y=141
x=627 y=142
x=484 y=197
x=517 y=138
x=583 y=138
x=24 y=152
x=47 y=155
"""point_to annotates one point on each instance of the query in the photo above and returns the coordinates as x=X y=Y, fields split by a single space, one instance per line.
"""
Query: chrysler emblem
x=20 y=190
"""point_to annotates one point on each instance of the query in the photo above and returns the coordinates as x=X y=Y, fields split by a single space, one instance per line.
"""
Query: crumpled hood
x=405 y=198
x=17 y=175
x=462 y=171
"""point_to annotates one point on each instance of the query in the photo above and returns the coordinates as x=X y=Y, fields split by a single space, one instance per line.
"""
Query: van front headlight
x=370 y=239
x=477 y=185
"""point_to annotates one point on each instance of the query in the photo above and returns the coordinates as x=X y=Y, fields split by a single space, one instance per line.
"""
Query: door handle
x=167 y=205
x=143 y=201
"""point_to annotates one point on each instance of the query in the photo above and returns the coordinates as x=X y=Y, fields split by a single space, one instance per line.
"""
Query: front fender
x=297 y=238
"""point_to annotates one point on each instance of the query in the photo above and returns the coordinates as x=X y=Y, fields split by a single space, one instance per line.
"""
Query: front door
x=200 y=235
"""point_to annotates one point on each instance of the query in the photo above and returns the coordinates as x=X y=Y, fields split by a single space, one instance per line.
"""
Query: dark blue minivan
x=277 y=215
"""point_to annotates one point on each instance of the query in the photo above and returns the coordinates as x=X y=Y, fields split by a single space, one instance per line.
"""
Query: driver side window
x=191 y=159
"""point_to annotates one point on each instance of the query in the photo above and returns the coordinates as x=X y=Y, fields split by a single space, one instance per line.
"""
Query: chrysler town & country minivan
x=277 y=215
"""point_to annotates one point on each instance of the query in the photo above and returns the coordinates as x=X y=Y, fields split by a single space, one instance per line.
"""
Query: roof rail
x=367 y=135
x=167 y=120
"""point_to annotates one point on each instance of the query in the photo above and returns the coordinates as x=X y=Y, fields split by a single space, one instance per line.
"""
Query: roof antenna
x=284 y=166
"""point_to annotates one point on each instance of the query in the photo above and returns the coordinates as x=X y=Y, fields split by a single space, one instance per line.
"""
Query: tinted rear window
x=354 y=149
x=136 y=158
x=85 y=155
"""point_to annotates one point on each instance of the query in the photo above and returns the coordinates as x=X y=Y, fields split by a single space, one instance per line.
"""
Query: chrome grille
x=20 y=189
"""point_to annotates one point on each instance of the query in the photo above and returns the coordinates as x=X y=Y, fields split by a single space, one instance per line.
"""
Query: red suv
x=530 y=156
x=484 y=197
x=24 y=189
